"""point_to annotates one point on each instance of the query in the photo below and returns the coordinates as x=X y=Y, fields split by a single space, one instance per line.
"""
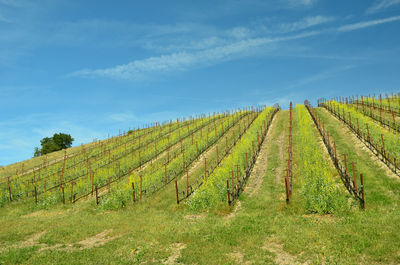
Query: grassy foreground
x=260 y=229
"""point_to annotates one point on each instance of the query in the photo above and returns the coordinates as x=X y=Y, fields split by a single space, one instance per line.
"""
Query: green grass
x=149 y=230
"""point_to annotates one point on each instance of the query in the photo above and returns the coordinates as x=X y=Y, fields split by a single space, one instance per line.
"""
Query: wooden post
x=287 y=189
x=354 y=177
x=345 y=162
x=141 y=180
x=229 y=195
x=35 y=193
x=233 y=184
x=97 y=194
x=197 y=148
x=133 y=192
x=344 y=116
x=63 y=199
x=44 y=186
x=383 y=146
x=109 y=184
x=362 y=191
x=358 y=127
x=177 y=194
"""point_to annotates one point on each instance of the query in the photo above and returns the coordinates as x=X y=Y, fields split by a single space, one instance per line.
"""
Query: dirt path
x=260 y=167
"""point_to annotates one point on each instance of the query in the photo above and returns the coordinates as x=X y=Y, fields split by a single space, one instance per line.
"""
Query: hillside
x=261 y=185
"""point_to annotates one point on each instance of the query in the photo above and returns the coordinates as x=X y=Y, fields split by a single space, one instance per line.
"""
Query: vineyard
x=243 y=186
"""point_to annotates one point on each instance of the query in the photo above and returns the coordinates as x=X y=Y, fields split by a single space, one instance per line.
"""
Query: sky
x=92 y=68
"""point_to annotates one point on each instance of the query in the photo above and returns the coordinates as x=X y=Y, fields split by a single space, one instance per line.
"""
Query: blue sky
x=90 y=68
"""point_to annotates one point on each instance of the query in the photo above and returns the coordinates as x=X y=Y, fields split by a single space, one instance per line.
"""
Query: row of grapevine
x=289 y=174
x=389 y=104
x=17 y=189
x=153 y=178
x=388 y=108
x=213 y=190
x=376 y=113
x=37 y=164
x=213 y=160
x=128 y=163
x=86 y=156
x=349 y=182
x=384 y=144
x=317 y=178
x=243 y=174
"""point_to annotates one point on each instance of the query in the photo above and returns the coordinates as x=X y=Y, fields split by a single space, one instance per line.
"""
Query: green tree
x=37 y=152
x=58 y=142
x=62 y=140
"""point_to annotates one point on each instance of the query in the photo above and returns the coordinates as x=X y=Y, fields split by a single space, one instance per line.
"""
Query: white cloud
x=365 y=24
x=181 y=61
x=381 y=5
x=240 y=32
x=304 y=23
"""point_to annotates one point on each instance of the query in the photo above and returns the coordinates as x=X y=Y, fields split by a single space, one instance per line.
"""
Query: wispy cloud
x=123 y=117
x=381 y=5
x=297 y=3
x=366 y=24
x=181 y=61
x=304 y=23
x=240 y=32
x=320 y=76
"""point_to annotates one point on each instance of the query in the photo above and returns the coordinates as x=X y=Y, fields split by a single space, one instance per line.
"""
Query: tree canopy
x=58 y=142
